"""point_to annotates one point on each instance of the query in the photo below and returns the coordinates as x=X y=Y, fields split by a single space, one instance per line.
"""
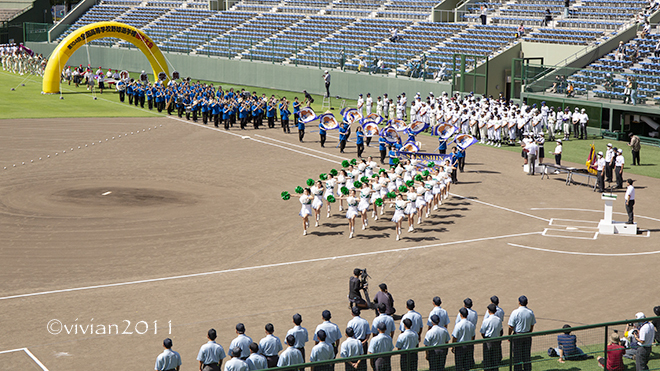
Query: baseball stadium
x=182 y=179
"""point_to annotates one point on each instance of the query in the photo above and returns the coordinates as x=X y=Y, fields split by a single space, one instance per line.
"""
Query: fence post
x=606 y=339
x=510 y=344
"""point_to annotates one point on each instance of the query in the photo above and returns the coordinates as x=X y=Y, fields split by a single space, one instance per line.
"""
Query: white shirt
x=532 y=149
x=558 y=149
x=647 y=331
x=168 y=360
x=600 y=164
x=630 y=193
x=619 y=161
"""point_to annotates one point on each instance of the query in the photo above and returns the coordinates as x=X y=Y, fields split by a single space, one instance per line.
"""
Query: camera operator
x=355 y=285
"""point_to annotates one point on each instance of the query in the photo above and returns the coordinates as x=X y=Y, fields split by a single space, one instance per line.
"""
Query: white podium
x=607 y=225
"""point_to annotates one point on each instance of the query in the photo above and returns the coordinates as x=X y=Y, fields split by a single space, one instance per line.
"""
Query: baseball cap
x=609 y=144
x=600 y=153
x=620 y=150
x=558 y=140
x=639 y=315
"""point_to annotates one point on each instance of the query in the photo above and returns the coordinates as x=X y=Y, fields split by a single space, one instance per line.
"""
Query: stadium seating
x=326 y=33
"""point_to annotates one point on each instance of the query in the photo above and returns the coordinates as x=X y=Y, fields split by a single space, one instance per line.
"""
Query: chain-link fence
x=567 y=348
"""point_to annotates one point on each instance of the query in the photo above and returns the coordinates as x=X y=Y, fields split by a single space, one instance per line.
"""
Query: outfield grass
x=28 y=102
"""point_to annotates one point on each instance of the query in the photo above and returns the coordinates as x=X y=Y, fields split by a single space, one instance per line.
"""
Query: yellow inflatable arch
x=90 y=32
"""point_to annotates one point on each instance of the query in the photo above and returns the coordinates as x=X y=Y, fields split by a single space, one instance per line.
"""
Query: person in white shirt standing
x=360 y=105
x=369 y=103
x=644 y=336
x=557 y=154
x=600 y=172
x=532 y=150
x=630 y=203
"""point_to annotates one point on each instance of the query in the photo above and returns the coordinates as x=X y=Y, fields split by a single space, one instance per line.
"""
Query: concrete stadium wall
x=551 y=53
x=259 y=74
x=69 y=19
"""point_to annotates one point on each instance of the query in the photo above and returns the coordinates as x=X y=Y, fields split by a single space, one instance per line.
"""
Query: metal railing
x=591 y=340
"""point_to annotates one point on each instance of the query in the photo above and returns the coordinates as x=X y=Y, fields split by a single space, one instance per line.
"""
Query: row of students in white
x=423 y=197
x=493 y=121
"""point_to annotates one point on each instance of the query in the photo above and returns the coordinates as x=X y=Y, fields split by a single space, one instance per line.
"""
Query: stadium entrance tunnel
x=91 y=32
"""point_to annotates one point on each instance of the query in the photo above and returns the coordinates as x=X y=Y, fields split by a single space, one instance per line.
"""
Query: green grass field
x=28 y=102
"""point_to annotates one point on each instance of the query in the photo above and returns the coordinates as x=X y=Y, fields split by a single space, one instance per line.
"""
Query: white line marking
x=500 y=207
x=593 y=211
x=256 y=140
x=35 y=359
x=265 y=266
x=27 y=351
x=106 y=193
x=545 y=234
x=296 y=145
x=572 y=220
x=584 y=253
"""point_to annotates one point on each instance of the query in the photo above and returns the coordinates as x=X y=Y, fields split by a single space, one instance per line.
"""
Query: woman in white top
x=375 y=195
x=317 y=192
x=329 y=190
x=363 y=206
x=342 y=178
x=420 y=203
x=429 y=185
x=411 y=208
x=352 y=211
x=306 y=210
x=399 y=207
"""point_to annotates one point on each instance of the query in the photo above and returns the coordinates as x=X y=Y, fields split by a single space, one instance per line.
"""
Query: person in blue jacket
x=205 y=110
x=382 y=147
x=322 y=135
x=215 y=112
x=226 y=110
x=296 y=112
x=243 y=114
x=454 y=164
x=343 y=136
x=442 y=146
x=150 y=98
x=359 y=141
x=284 y=115
x=301 y=128
x=129 y=92
x=461 y=159
x=393 y=155
x=270 y=113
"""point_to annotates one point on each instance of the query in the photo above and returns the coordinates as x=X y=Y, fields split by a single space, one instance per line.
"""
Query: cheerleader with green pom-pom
x=351 y=177
x=342 y=178
x=429 y=185
x=375 y=195
x=399 y=212
x=330 y=184
x=383 y=182
x=411 y=207
x=420 y=202
x=363 y=206
x=306 y=210
x=352 y=211
x=317 y=192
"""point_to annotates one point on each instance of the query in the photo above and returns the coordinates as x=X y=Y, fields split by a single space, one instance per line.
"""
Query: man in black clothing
x=355 y=285
x=383 y=296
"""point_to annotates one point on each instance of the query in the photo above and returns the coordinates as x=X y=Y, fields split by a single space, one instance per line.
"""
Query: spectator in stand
x=567 y=346
x=567 y=4
x=646 y=30
x=656 y=51
x=620 y=52
x=615 y=353
x=484 y=14
x=521 y=31
x=547 y=20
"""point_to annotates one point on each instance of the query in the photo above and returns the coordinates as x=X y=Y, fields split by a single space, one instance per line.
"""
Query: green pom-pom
x=418 y=177
x=390 y=195
x=310 y=182
x=334 y=172
x=299 y=190
x=344 y=190
x=395 y=161
x=364 y=179
x=381 y=171
x=379 y=202
x=323 y=176
x=425 y=173
x=357 y=184
x=331 y=198
x=354 y=162
x=410 y=183
x=345 y=163
x=403 y=189
x=286 y=196
x=374 y=176
x=284 y=193
x=431 y=164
